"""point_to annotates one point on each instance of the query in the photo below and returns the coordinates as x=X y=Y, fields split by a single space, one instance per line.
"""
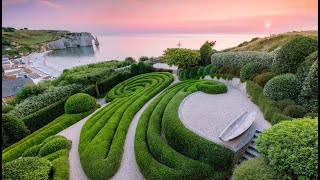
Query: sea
x=118 y=47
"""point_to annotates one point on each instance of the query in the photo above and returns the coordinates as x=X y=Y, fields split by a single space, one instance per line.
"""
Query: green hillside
x=27 y=41
x=268 y=44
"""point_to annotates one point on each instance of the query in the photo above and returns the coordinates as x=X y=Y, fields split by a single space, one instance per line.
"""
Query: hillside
x=27 y=41
x=268 y=44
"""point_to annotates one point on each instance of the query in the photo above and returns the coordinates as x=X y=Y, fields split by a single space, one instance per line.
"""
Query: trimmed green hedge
x=295 y=111
x=200 y=71
x=268 y=106
x=7 y=108
x=16 y=150
x=285 y=86
x=13 y=130
x=27 y=168
x=79 y=103
x=292 y=54
x=103 y=135
x=186 y=155
x=263 y=78
x=257 y=169
x=239 y=59
x=44 y=116
x=248 y=70
x=284 y=103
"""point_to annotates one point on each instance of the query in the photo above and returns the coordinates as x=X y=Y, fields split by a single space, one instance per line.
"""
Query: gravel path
x=129 y=168
x=209 y=114
x=73 y=133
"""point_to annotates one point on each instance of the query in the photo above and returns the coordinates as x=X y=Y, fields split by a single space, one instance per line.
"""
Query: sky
x=162 y=16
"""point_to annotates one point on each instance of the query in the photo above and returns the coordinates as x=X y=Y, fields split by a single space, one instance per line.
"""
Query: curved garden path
x=209 y=114
x=128 y=169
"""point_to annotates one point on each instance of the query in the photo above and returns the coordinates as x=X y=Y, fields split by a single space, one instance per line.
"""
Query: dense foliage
x=143 y=58
x=200 y=71
x=295 y=111
x=309 y=93
x=51 y=95
x=292 y=146
x=257 y=169
x=79 y=103
x=248 y=70
x=193 y=72
x=6 y=108
x=285 y=86
x=268 y=106
x=284 y=103
x=13 y=130
x=263 y=78
x=292 y=54
x=181 y=57
x=28 y=90
x=205 y=53
x=239 y=59
x=27 y=168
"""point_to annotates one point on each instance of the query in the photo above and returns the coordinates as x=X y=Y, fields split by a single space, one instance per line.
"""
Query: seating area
x=238 y=126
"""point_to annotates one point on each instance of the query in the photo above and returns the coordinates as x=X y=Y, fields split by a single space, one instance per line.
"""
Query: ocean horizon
x=118 y=47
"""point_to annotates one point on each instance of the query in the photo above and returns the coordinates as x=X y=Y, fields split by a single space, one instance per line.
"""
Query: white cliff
x=71 y=40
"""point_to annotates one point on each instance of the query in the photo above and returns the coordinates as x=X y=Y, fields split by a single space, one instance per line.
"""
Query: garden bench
x=238 y=126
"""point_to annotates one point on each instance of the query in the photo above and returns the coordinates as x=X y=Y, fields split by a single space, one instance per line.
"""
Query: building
x=10 y=87
x=13 y=73
x=6 y=63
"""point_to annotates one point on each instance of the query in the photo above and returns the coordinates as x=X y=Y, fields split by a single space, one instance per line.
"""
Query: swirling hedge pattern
x=103 y=135
x=166 y=149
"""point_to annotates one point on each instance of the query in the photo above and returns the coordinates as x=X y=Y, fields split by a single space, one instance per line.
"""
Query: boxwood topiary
x=14 y=128
x=258 y=169
x=187 y=74
x=6 y=108
x=248 y=70
x=193 y=72
x=262 y=79
x=32 y=151
x=79 y=103
x=213 y=70
x=292 y=54
x=54 y=145
x=285 y=86
x=284 y=103
x=207 y=69
x=26 y=168
x=295 y=111
x=200 y=71
x=311 y=115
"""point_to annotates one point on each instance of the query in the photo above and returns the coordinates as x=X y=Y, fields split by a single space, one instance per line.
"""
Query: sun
x=268 y=25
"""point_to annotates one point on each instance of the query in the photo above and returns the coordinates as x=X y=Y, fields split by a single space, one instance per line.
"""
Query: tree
x=292 y=146
x=181 y=57
x=130 y=59
x=205 y=52
x=143 y=58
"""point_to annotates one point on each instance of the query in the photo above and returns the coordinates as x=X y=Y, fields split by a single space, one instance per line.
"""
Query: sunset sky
x=163 y=16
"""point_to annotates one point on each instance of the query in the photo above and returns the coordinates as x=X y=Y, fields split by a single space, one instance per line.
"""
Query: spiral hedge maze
x=103 y=136
x=181 y=154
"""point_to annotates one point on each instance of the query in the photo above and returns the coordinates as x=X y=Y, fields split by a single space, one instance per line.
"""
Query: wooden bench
x=238 y=126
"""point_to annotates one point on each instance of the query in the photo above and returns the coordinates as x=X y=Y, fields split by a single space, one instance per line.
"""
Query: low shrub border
x=16 y=150
x=103 y=135
x=268 y=106
x=187 y=156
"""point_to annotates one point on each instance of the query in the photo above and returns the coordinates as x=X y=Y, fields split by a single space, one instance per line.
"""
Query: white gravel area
x=73 y=133
x=209 y=114
x=129 y=168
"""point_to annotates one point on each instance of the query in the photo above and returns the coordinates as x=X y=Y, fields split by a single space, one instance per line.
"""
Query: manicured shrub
x=7 y=108
x=282 y=104
x=48 y=97
x=285 y=86
x=239 y=59
x=248 y=70
x=28 y=168
x=292 y=54
x=62 y=122
x=141 y=67
x=32 y=151
x=143 y=58
x=134 y=69
x=311 y=115
x=207 y=69
x=181 y=57
x=130 y=59
x=262 y=79
x=13 y=128
x=268 y=106
x=295 y=111
x=106 y=130
x=200 y=71
x=205 y=52
x=44 y=116
x=213 y=70
x=308 y=96
x=193 y=72
x=106 y=84
x=235 y=71
x=28 y=90
x=79 y=103
x=258 y=169
x=312 y=57
x=223 y=70
x=181 y=74
x=292 y=146
x=213 y=89
x=187 y=74
x=54 y=145
x=303 y=70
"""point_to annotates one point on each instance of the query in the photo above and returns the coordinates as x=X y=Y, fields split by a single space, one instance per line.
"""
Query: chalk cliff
x=71 y=40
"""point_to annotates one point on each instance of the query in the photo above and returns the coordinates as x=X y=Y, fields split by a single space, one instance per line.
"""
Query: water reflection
x=73 y=52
